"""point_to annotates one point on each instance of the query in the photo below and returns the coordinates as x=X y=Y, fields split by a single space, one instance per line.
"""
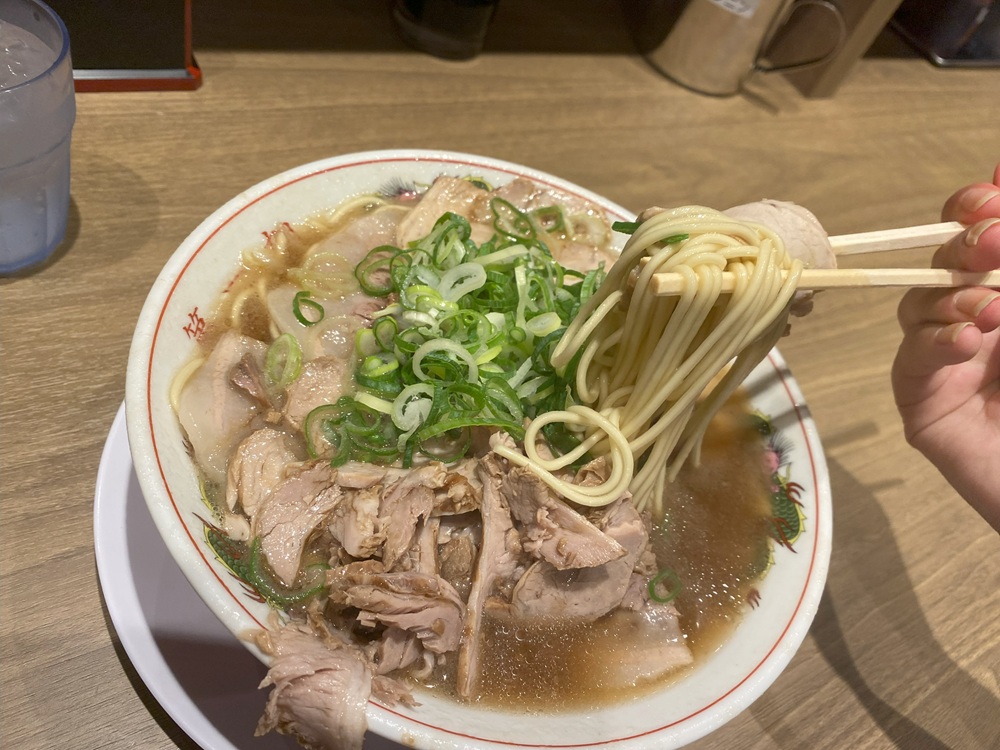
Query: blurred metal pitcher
x=715 y=45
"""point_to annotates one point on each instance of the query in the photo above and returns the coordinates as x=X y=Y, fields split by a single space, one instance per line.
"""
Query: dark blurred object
x=130 y=46
x=802 y=36
x=714 y=49
x=650 y=21
x=452 y=29
x=952 y=32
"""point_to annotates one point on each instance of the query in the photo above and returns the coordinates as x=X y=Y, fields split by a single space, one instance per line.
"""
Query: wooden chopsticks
x=927 y=235
x=666 y=284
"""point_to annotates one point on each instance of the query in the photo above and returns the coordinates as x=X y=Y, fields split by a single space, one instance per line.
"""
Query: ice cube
x=22 y=55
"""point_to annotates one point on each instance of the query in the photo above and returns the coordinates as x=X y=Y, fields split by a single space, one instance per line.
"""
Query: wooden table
x=905 y=649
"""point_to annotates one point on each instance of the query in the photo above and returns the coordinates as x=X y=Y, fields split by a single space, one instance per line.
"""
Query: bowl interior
x=166 y=337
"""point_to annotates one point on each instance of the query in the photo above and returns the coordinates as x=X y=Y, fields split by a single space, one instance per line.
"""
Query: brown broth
x=555 y=667
x=715 y=533
x=714 y=537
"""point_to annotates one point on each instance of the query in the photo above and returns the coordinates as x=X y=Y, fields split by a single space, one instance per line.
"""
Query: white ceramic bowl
x=165 y=338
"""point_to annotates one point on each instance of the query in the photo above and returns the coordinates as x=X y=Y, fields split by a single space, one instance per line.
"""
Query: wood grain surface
x=905 y=649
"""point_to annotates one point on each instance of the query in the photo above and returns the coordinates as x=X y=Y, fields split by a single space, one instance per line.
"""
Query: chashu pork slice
x=257 y=467
x=217 y=415
x=580 y=244
x=498 y=561
x=421 y=603
x=800 y=230
x=552 y=530
x=585 y=593
x=321 y=687
x=292 y=511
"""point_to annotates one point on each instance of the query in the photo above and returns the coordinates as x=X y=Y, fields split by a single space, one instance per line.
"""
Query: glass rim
x=60 y=58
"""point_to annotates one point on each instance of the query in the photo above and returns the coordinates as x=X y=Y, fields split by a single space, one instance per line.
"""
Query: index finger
x=975 y=249
x=974 y=203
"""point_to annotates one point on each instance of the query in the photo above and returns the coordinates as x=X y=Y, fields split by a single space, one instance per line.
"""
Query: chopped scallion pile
x=464 y=342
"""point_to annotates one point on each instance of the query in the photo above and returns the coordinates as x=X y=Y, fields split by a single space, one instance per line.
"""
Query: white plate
x=199 y=673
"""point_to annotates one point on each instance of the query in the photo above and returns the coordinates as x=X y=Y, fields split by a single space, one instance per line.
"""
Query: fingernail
x=976 y=230
x=972 y=301
x=973 y=200
x=950 y=334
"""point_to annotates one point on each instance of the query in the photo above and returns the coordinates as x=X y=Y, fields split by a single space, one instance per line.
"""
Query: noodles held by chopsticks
x=648 y=372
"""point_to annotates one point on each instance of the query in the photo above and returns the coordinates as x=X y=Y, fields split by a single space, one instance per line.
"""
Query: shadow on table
x=72 y=232
x=950 y=703
x=143 y=207
x=168 y=725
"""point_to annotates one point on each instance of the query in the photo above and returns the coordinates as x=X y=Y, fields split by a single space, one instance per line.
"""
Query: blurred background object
x=452 y=29
x=804 y=35
x=149 y=45
x=131 y=46
x=952 y=32
x=716 y=45
x=37 y=113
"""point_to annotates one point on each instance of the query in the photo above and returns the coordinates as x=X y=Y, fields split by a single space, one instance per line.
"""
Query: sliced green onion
x=502 y=257
x=448 y=446
x=485 y=356
x=446 y=347
x=497 y=294
x=283 y=361
x=386 y=386
x=245 y=562
x=519 y=374
x=464 y=343
x=479 y=182
x=669 y=577
x=379 y=365
x=625 y=227
x=675 y=238
x=412 y=406
x=523 y=290
x=534 y=388
x=373 y=402
x=320 y=429
x=503 y=401
x=496 y=319
x=512 y=222
x=550 y=218
x=385 y=330
x=415 y=295
x=544 y=324
x=380 y=374
x=365 y=342
x=417 y=318
x=302 y=302
x=462 y=279
x=590 y=282
x=374 y=272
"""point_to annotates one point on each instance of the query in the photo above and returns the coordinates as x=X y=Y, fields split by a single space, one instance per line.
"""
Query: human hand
x=946 y=375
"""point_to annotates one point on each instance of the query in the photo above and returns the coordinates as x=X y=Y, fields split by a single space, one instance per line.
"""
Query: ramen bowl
x=174 y=316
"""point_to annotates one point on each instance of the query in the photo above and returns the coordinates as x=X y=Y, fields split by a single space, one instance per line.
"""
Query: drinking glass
x=37 y=111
